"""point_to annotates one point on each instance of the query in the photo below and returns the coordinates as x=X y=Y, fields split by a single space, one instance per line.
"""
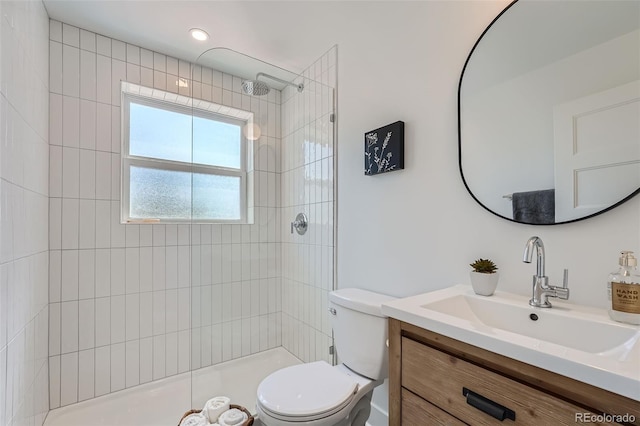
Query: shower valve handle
x=300 y=224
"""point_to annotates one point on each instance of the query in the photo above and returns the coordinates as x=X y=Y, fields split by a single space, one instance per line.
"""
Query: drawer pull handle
x=491 y=408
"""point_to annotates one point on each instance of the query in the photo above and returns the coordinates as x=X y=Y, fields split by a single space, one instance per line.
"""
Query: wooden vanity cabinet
x=436 y=380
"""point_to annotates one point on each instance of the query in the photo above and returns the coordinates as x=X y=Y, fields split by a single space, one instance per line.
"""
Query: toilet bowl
x=319 y=394
x=315 y=394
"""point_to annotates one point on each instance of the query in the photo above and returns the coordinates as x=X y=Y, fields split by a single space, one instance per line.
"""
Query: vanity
x=457 y=358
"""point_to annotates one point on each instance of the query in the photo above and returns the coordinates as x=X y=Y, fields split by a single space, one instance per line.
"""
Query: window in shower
x=181 y=163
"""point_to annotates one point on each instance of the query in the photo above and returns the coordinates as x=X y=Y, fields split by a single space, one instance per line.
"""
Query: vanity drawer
x=440 y=378
x=417 y=411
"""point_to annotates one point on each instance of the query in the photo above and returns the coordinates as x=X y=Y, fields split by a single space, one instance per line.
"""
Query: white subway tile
x=103 y=272
x=70 y=71
x=70 y=35
x=55 y=119
x=70 y=172
x=146 y=58
x=69 y=275
x=171 y=354
x=86 y=372
x=55 y=30
x=118 y=236
x=103 y=323
x=103 y=215
x=69 y=326
x=68 y=379
x=103 y=78
x=146 y=360
x=54 y=382
x=184 y=341
x=159 y=80
x=146 y=315
x=132 y=327
x=133 y=73
x=115 y=146
x=103 y=370
x=55 y=276
x=103 y=128
x=54 y=329
x=103 y=45
x=146 y=268
x=158 y=357
x=170 y=268
x=159 y=312
x=118 y=332
x=171 y=311
x=88 y=111
x=184 y=309
x=86 y=329
x=184 y=259
x=103 y=178
x=87 y=224
x=55 y=67
x=146 y=77
x=132 y=262
x=87 y=174
x=118 y=74
x=118 y=367
x=88 y=75
x=118 y=50
x=132 y=235
x=117 y=271
x=87 y=40
x=159 y=264
x=132 y=366
x=70 y=122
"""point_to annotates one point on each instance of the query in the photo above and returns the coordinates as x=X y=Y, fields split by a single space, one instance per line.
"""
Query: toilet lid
x=306 y=390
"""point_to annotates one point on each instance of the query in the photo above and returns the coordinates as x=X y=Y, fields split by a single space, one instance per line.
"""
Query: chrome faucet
x=541 y=289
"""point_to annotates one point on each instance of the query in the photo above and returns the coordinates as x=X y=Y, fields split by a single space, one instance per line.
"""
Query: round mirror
x=549 y=110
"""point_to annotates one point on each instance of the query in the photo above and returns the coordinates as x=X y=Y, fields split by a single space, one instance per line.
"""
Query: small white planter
x=484 y=284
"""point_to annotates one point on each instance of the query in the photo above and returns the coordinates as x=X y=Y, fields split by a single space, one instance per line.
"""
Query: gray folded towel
x=534 y=207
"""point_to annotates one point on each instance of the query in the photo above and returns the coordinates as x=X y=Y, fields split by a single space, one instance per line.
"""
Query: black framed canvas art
x=384 y=149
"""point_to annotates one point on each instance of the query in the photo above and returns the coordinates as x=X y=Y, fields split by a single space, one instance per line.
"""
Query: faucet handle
x=565 y=279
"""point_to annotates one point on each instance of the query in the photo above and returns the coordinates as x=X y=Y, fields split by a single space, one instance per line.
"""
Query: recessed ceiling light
x=198 y=34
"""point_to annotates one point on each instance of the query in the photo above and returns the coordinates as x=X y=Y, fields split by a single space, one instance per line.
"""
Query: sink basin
x=555 y=325
x=579 y=342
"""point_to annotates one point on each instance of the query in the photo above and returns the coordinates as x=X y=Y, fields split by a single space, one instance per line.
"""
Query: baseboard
x=378 y=416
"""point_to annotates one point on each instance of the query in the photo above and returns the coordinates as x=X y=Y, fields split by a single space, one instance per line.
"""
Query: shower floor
x=163 y=402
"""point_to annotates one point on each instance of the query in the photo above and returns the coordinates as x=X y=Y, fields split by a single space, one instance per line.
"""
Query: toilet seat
x=306 y=392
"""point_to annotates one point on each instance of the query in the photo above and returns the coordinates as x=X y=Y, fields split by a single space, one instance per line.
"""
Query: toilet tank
x=360 y=331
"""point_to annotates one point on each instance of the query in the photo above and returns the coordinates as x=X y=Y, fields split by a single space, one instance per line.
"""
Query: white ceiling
x=274 y=32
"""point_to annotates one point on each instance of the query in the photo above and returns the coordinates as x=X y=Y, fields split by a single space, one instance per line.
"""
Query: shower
x=260 y=88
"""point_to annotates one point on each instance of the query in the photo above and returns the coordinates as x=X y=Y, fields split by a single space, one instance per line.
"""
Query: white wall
x=308 y=187
x=416 y=230
x=24 y=153
x=134 y=303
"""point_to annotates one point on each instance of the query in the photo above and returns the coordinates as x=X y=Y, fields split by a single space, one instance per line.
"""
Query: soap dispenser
x=624 y=290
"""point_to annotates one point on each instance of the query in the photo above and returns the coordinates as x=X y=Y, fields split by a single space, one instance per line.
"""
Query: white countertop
x=616 y=369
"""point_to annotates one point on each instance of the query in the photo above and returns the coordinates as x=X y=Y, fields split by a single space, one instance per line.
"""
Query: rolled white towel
x=232 y=417
x=214 y=407
x=195 y=419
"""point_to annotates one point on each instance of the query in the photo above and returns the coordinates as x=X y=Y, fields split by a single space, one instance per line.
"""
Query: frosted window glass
x=216 y=143
x=158 y=133
x=216 y=196
x=159 y=194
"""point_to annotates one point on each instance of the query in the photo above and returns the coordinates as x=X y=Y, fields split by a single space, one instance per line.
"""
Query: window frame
x=128 y=160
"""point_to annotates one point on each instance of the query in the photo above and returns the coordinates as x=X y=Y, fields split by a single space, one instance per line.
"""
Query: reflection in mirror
x=549 y=110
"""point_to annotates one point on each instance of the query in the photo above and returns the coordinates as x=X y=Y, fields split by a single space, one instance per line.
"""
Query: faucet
x=541 y=289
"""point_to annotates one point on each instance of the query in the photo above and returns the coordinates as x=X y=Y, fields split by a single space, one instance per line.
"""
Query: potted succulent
x=484 y=277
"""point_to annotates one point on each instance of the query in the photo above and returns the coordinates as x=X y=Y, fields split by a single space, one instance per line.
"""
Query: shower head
x=255 y=87
x=260 y=88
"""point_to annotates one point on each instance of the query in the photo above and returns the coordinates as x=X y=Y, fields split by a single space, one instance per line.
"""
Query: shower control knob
x=332 y=311
x=300 y=224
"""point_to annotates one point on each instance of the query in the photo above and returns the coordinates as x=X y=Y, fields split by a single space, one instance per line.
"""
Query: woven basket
x=247 y=422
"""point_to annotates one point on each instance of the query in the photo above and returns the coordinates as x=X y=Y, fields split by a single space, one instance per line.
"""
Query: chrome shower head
x=260 y=88
x=255 y=87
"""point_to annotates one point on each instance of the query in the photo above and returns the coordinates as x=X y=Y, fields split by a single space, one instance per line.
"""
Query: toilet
x=319 y=394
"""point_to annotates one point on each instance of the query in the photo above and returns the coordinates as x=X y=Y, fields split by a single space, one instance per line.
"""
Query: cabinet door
x=440 y=379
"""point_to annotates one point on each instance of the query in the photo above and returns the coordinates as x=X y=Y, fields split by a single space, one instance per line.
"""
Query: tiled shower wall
x=24 y=153
x=134 y=303
x=308 y=186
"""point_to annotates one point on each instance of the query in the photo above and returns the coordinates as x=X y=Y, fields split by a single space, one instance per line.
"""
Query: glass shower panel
x=245 y=308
